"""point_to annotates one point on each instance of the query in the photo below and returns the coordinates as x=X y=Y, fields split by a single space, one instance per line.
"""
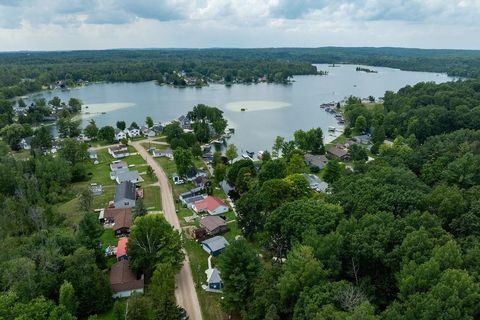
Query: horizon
x=54 y=25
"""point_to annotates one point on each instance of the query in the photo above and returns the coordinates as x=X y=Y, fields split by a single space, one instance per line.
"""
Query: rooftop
x=212 y=222
x=123 y=279
x=210 y=203
x=125 y=190
x=216 y=243
x=122 y=247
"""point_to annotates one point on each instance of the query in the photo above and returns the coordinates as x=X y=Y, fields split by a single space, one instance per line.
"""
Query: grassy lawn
x=108 y=238
x=209 y=302
x=152 y=198
x=106 y=316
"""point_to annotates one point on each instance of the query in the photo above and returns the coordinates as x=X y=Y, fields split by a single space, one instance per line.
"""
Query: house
x=167 y=153
x=26 y=143
x=190 y=194
x=157 y=127
x=210 y=204
x=114 y=174
x=213 y=225
x=119 y=219
x=123 y=281
x=150 y=133
x=122 y=249
x=214 y=246
x=194 y=173
x=92 y=154
x=340 y=154
x=188 y=202
x=184 y=122
x=117 y=165
x=132 y=176
x=314 y=160
x=134 y=132
x=120 y=135
x=118 y=152
x=316 y=183
x=214 y=281
x=96 y=189
x=200 y=181
x=125 y=195
x=362 y=139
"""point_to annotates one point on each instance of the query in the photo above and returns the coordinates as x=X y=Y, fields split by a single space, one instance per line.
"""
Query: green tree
x=239 y=266
x=73 y=151
x=121 y=125
x=139 y=210
x=183 y=160
x=358 y=153
x=42 y=139
x=55 y=101
x=220 y=172
x=296 y=164
x=274 y=169
x=361 y=124
x=153 y=241
x=75 y=104
x=134 y=125
x=231 y=152
x=91 y=130
x=67 y=297
x=162 y=291
x=332 y=171
x=89 y=231
x=107 y=133
x=139 y=308
x=13 y=134
x=277 y=146
x=91 y=285
x=85 y=200
x=149 y=121
x=68 y=127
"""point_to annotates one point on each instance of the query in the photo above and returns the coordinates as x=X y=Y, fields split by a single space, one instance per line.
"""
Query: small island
x=366 y=70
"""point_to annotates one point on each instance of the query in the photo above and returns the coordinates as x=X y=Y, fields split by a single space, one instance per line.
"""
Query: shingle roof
x=125 y=190
x=337 y=152
x=122 y=217
x=211 y=223
x=213 y=276
x=128 y=176
x=118 y=165
x=123 y=279
x=210 y=203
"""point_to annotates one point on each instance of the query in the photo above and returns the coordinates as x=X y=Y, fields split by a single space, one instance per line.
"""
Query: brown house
x=119 y=218
x=338 y=153
x=123 y=281
x=213 y=225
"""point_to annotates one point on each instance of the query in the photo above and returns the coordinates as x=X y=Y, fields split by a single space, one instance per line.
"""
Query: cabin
x=214 y=246
x=131 y=176
x=213 y=225
x=212 y=205
x=125 y=195
x=123 y=281
x=316 y=183
x=314 y=160
x=339 y=154
x=122 y=249
x=118 y=219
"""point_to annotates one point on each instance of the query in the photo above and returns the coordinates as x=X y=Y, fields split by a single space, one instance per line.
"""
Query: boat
x=260 y=154
x=250 y=154
x=331 y=129
x=232 y=130
x=243 y=109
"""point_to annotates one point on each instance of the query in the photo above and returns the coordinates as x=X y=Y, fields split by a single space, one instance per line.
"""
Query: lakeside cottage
x=125 y=195
x=314 y=160
x=339 y=154
x=123 y=281
x=212 y=205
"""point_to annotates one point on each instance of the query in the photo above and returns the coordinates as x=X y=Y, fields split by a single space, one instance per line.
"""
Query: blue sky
x=100 y=24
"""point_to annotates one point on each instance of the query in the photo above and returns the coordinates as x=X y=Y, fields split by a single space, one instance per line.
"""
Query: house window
x=126 y=203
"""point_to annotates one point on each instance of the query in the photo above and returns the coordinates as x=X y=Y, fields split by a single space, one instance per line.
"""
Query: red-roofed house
x=210 y=204
x=122 y=249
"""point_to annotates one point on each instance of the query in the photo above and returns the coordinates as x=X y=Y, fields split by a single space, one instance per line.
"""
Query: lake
x=272 y=109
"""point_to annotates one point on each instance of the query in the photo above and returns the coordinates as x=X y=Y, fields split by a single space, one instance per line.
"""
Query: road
x=185 y=292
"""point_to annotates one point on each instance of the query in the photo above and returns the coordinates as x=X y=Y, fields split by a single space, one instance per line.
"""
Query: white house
x=134 y=132
x=119 y=135
x=210 y=204
x=131 y=176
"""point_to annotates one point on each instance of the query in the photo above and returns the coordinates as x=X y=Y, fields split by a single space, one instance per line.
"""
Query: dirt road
x=185 y=292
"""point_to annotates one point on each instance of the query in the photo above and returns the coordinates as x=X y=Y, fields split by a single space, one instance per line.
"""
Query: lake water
x=272 y=109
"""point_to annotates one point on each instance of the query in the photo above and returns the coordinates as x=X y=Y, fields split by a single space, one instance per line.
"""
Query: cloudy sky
x=99 y=24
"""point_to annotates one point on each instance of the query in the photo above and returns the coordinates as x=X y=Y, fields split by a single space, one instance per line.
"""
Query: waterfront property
x=314 y=160
x=339 y=153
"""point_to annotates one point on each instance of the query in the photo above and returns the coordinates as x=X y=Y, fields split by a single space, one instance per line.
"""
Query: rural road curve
x=185 y=292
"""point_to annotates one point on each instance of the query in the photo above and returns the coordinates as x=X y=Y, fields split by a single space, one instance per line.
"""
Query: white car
x=179 y=181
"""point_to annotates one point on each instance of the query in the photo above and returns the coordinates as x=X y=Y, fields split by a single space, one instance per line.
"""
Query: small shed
x=214 y=281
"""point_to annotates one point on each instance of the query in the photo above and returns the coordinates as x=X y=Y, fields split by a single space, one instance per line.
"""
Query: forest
x=394 y=238
x=25 y=72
